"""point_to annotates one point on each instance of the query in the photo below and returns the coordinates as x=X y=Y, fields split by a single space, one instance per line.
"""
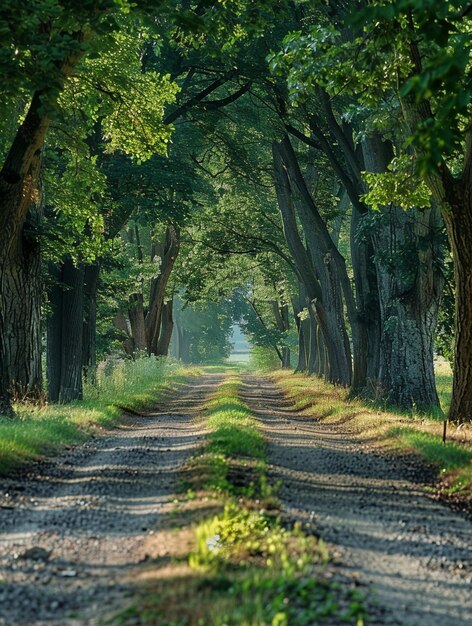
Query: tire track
x=73 y=533
x=414 y=551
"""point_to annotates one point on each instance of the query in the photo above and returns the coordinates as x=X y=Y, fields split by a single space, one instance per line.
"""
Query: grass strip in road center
x=248 y=565
x=234 y=459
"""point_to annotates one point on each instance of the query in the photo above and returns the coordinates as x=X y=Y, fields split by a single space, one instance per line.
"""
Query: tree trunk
x=367 y=298
x=410 y=288
x=458 y=219
x=66 y=340
x=324 y=262
x=283 y=325
x=453 y=194
x=20 y=324
x=137 y=323
x=364 y=311
x=89 y=351
x=20 y=279
x=298 y=305
x=54 y=334
x=159 y=285
x=167 y=326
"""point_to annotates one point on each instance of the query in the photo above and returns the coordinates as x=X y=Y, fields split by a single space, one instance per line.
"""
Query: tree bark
x=54 y=334
x=283 y=325
x=367 y=298
x=89 y=351
x=458 y=218
x=453 y=195
x=167 y=326
x=410 y=288
x=329 y=267
x=364 y=312
x=66 y=341
x=159 y=285
x=20 y=279
x=137 y=323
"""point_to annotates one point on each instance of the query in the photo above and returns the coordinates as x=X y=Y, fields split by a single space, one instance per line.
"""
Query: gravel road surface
x=74 y=531
x=373 y=510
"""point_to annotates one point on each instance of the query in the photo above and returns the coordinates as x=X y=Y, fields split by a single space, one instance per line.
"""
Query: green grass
x=449 y=457
x=234 y=439
x=234 y=429
x=454 y=461
x=444 y=383
x=36 y=432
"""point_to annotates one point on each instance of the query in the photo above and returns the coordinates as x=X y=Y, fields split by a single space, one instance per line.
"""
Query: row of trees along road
x=308 y=163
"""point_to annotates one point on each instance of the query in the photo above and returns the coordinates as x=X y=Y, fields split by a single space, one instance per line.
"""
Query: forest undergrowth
x=248 y=564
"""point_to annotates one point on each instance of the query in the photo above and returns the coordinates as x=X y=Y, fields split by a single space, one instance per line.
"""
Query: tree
x=351 y=124
x=430 y=49
x=46 y=42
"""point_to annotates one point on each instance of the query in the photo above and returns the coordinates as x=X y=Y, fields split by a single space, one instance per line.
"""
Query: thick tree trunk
x=298 y=305
x=305 y=270
x=65 y=335
x=20 y=281
x=283 y=325
x=89 y=351
x=454 y=198
x=167 y=326
x=20 y=324
x=364 y=310
x=458 y=218
x=368 y=306
x=137 y=323
x=72 y=329
x=54 y=334
x=20 y=262
x=410 y=288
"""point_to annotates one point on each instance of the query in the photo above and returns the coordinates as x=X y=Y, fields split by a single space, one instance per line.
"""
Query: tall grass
x=41 y=431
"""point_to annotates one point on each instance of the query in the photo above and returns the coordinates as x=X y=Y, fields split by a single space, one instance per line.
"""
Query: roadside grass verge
x=248 y=565
x=36 y=432
x=421 y=434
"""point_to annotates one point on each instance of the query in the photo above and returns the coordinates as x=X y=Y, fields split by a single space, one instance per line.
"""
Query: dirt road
x=73 y=534
x=369 y=507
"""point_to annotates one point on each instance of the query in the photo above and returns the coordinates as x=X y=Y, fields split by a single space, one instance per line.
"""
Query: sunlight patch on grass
x=449 y=457
x=443 y=372
x=234 y=435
